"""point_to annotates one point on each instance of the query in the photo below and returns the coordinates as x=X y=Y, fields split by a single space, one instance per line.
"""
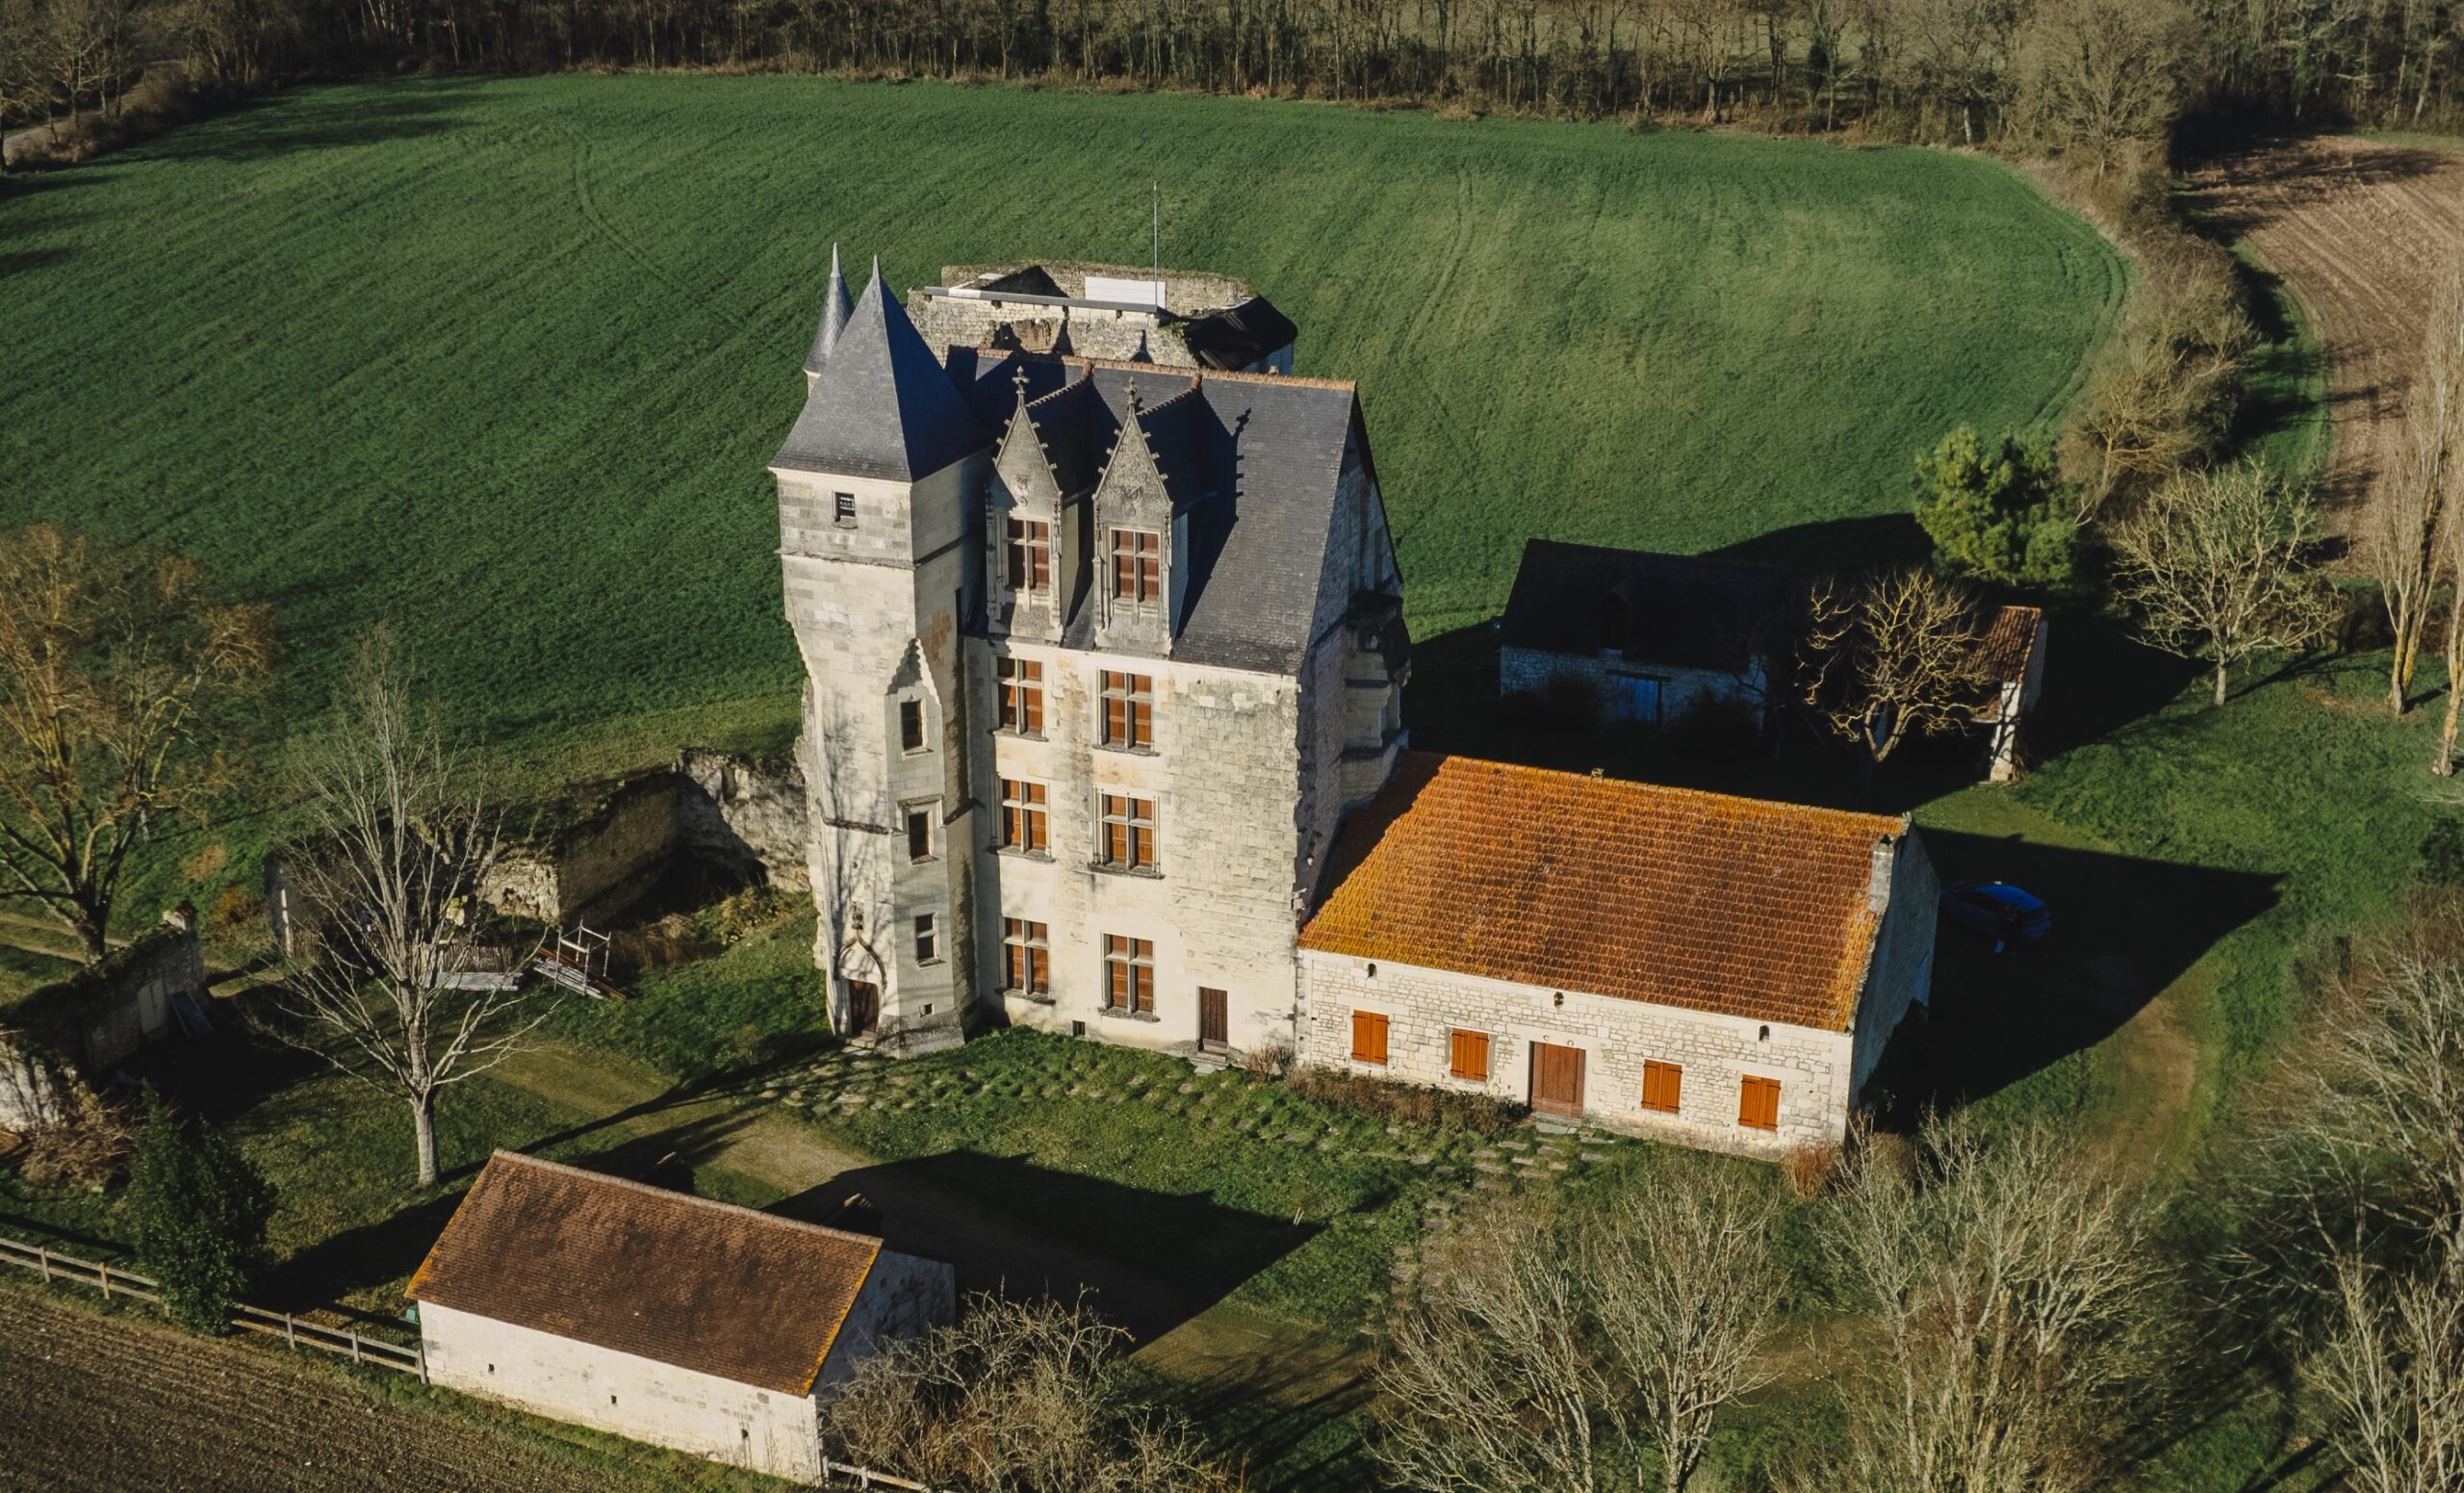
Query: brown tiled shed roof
x=702 y=1285
x=2008 y=642
x=1731 y=905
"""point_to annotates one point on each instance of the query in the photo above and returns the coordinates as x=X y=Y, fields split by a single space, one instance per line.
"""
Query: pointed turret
x=880 y=406
x=836 y=307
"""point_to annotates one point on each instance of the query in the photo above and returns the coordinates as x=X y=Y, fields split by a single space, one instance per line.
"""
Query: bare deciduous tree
x=1486 y=1381
x=1893 y=657
x=1016 y=1397
x=124 y=692
x=396 y=838
x=2010 y=1285
x=2401 y=521
x=2217 y=564
x=1683 y=1297
x=2099 y=78
x=2392 y=1371
x=1537 y=1343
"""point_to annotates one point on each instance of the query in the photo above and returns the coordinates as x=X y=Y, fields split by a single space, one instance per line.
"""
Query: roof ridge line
x=693 y=1200
x=1671 y=789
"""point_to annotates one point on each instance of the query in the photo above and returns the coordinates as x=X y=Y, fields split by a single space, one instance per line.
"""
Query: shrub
x=2443 y=854
x=197 y=1214
x=1809 y=1167
x=1411 y=1104
x=84 y=1148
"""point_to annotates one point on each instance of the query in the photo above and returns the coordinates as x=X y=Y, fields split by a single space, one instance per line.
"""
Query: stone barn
x=1717 y=971
x=658 y=1316
x=1641 y=639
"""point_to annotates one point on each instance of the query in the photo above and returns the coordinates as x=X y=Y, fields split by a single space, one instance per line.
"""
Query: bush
x=84 y=1148
x=2443 y=854
x=1409 y=1104
x=197 y=1215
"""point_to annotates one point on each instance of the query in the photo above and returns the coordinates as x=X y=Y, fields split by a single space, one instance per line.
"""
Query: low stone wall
x=76 y=1030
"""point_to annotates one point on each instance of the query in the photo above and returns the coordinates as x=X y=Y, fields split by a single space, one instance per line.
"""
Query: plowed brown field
x=2356 y=228
x=114 y=1404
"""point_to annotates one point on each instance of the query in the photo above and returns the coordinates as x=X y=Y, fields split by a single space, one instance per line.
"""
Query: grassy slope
x=502 y=361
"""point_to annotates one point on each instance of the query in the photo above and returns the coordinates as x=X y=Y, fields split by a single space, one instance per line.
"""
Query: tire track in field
x=1418 y=325
x=625 y=244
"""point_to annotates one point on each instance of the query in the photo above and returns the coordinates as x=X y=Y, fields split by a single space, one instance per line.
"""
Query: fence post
x=103 y=1274
x=291 y=1330
x=42 y=1256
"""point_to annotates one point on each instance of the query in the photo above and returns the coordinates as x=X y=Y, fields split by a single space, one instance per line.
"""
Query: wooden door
x=1214 y=1019
x=1556 y=1079
x=863 y=1007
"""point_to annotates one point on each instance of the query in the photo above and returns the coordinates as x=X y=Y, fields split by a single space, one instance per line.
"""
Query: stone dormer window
x=1138 y=566
x=910 y=725
x=842 y=509
x=1029 y=554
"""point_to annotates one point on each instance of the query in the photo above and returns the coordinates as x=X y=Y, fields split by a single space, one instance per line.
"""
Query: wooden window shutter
x=1368 y=1037
x=1468 y=1055
x=1759 y=1104
x=1663 y=1083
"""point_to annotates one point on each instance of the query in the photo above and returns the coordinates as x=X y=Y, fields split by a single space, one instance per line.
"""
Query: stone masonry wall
x=902 y=1296
x=1224 y=778
x=622 y=1394
x=1423 y=1007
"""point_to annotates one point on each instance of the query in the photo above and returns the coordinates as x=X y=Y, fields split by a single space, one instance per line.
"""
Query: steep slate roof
x=1684 y=612
x=1667 y=896
x=1239 y=336
x=1259 y=455
x=835 y=308
x=881 y=406
x=706 y=1286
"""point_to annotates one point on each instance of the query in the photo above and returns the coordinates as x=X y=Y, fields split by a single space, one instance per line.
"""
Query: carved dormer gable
x=1025 y=535
x=1142 y=548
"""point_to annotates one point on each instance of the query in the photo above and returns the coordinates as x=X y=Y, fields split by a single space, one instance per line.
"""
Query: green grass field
x=502 y=361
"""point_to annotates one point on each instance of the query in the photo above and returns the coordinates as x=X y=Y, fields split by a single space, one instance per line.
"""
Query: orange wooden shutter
x=1470 y=1058
x=1368 y=1037
x=1759 y=1104
x=1661 y=1084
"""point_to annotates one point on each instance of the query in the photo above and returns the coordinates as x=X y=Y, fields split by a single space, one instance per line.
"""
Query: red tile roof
x=702 y=1285
x=1731 y=905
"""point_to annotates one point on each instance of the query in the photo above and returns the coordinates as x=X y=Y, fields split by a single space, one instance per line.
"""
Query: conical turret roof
x=880 y=406
x=836 y=307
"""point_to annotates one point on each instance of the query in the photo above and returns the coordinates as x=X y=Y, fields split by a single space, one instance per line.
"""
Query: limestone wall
x=1422 y=1006
x=1225 y=776
x=78 y=1029
x=904 y=1296
x=622 y=1394
x=737 y=811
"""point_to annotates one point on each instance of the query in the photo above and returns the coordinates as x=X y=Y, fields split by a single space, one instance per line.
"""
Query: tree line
x=2083 y=75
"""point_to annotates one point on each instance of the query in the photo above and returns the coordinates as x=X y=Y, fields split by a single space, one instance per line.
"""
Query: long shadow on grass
x=2125 y=929
x=314 y=119
x=1152 y=1259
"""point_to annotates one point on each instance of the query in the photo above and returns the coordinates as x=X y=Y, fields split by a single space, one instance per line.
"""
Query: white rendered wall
x=622 y=1394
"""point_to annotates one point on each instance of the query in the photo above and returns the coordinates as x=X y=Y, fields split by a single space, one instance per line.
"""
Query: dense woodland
x=2058 y=74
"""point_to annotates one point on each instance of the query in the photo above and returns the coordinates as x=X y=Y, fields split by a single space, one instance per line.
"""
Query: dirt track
x=114 y=1404
x=2355 y=229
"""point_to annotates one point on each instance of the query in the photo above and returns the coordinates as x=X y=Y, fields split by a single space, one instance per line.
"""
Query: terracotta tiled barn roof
x=706 y=1286
x=1733 y=905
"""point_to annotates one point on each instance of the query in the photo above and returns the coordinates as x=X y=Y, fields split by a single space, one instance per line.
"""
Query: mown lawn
x=502 y=361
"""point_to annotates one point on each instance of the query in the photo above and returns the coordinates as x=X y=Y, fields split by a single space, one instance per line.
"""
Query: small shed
x=658 y=1316
x=2013 y=653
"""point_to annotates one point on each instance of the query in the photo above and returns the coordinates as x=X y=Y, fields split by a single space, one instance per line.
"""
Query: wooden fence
x=112 y=1281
